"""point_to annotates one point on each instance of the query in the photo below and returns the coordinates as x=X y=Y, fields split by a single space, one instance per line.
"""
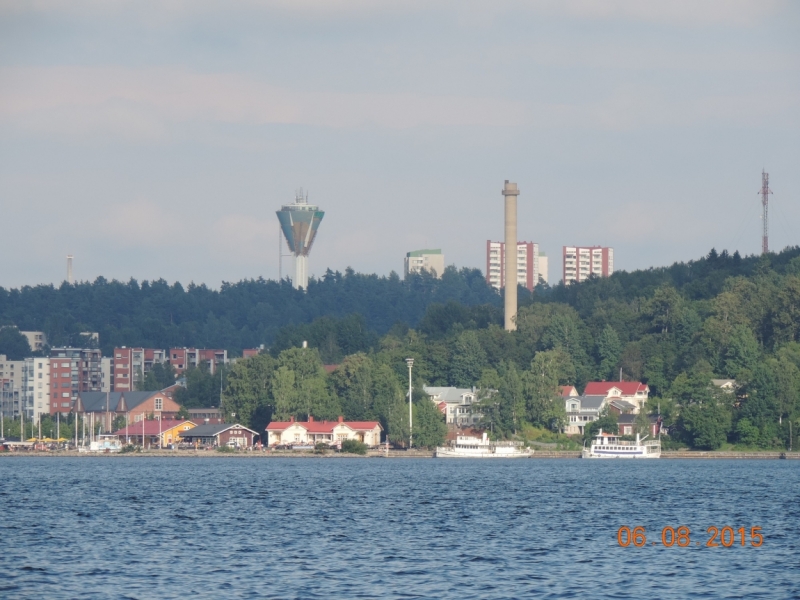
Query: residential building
x=183 y=359
x=457 y=405
x=250 y=352
x=626 y=424
x=633 y=392
x=223 y=434
x=131 y=366
x=72 y=371
x=37 y=340
x=154 y=432
x=582 y=261
x=621 y=398
x=206 y=415
x=568 y=391
x=134 y=406
x=327 y=432
x=544 y=269
x=428 y=260
x=11 y=386
x=36 y=386
x=527 y=260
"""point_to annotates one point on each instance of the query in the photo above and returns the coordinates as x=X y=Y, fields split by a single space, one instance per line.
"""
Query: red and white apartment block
x=73 y=370
x=527 y=260
x=582 y=261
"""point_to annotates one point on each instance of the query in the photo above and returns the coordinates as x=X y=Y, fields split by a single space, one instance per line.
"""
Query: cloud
x=141 y=103
x=673 y=12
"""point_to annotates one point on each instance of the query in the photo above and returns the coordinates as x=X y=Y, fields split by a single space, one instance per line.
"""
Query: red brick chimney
x=341 y=419
x=310 y=419
x=291 y=419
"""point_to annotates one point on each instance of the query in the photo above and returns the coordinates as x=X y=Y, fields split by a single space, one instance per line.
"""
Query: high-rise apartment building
x=527 y=260
x=11 y=389
x=580 y=262
x=131 y=365
x=429 y=260
x=182 y=359
x=36 y=387
x=544 y=268
x=73 y=370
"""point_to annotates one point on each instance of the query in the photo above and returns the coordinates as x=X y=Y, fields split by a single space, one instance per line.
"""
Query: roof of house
x=113 y=401
x=622 y=405
x=212 y=429
x=628 y=388
x=592 y=402
x=151 y=427
x=451 y=395
x=724 y=382
x=628 y=419
x=568 y=390
x=323 y=426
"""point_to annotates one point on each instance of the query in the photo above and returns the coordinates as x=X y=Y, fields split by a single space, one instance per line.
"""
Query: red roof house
x=312 y=432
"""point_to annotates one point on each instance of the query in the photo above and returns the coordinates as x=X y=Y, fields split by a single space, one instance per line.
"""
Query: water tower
x=299 y=223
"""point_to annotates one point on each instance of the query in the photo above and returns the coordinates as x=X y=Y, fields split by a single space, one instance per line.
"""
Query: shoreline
x=542 y=455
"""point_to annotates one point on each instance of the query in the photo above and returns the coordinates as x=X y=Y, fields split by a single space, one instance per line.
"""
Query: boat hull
x=450 y=453
x=607 y=454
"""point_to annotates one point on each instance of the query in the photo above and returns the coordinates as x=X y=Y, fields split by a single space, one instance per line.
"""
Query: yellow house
x=149 y=431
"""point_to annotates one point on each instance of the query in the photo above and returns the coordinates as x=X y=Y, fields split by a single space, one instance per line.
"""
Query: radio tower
x=765 y=192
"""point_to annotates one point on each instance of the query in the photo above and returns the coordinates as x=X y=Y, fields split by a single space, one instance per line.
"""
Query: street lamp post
x=410 y=363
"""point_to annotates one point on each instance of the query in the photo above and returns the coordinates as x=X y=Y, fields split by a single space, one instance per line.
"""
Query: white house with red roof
x=621 y=397
x=312 y=432
x=634 y=392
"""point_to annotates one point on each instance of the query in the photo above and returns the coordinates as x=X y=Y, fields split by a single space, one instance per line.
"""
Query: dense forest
x=675 y=328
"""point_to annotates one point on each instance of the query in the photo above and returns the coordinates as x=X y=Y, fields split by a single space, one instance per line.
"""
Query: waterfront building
x=206 y=415
x=134 y=406
x=527 y=261
x=222 y=434
x=11 y=389
x=36 y=386
x=582 y=261
x=154 y=432
x=457 y=405
x=73 y=371
x=328 y=432
x=621 y=397
x=417 y=261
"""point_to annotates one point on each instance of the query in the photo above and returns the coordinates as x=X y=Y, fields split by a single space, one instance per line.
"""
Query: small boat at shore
x=609 y=445
x=104 y=444
x=468 y=446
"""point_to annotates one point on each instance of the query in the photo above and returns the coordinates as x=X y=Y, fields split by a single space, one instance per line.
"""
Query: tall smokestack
x=511 y=192
x=69 y=269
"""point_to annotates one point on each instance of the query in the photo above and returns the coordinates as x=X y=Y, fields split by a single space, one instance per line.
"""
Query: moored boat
x=104 y=444
x=468 y=446
x=609 y=445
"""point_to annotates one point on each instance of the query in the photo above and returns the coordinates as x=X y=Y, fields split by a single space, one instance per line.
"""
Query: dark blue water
x=374 y=528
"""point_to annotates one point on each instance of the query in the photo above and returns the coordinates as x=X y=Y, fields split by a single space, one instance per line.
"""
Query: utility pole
x=765 y=192
x=410 y=363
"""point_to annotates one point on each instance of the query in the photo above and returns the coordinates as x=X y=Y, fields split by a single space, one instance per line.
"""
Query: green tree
x=705 y=426
x=543 y=403
x=247 y=391
x=13 y=344
x=609 y=349
x=430 y=429
x=468 y=361
x=742 y=353
x=607 y=421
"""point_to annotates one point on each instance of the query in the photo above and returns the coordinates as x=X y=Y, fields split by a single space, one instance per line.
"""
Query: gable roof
x=592 y=402
x=213 y=429
x=568 y=391
x=97 y=401
x=628 y=388
x=323 y=426
x=451 y=395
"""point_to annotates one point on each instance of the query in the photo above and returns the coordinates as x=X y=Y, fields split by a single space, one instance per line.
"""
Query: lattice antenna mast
x=765 y=192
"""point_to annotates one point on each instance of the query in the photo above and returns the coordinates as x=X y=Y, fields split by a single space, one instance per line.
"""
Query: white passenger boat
x=608 y=445
x=104 y=444
x=468 y=446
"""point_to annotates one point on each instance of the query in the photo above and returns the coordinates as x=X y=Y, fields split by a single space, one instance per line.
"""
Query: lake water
x=119 y=527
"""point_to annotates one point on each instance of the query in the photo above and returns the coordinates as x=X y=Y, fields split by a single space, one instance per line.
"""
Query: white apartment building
x=429 y=260
x=37 y=340
x=582 y=261
x=36 y=387
x=544 y=268
x=528 y=266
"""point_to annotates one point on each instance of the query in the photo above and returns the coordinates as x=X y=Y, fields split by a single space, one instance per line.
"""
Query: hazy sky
x=156 y=139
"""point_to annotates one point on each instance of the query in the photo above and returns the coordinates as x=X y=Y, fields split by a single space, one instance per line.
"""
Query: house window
x=159 y=404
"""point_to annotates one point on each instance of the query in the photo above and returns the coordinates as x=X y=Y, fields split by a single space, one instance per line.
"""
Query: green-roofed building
x=428 y=260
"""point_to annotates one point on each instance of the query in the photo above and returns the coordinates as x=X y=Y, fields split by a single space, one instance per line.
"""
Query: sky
x=157 y=139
